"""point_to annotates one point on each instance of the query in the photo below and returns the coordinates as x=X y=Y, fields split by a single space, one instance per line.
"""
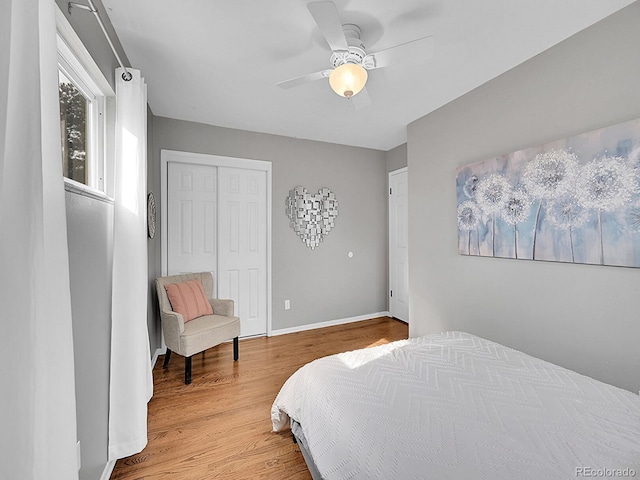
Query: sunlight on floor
x=382 y=341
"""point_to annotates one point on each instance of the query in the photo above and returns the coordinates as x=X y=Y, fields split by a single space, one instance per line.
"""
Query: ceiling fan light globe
x=348 y=79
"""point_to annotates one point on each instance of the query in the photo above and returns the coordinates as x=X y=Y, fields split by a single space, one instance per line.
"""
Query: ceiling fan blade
x=361 y=100
x=311 y=77
x=326 y=16
x=417 y=51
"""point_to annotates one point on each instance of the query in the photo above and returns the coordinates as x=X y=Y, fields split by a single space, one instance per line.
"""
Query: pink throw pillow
x=188 y=299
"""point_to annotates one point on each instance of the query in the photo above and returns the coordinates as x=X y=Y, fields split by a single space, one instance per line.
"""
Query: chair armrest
x=222 y=306
x=172 y=326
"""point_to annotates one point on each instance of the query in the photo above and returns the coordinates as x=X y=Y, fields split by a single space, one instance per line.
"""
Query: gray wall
x=153 y=245
x=578 y=316
x=90 y=234
x=323 y=284
x=396 y=158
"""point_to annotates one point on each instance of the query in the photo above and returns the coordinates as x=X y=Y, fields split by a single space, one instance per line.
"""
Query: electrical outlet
x=287 y=304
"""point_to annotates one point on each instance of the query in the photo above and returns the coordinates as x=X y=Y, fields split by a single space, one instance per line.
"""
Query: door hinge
x=392 y=293
x=390 y=191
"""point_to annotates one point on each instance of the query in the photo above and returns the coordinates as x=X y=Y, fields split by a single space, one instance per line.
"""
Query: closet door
x=242 y=245
x=192 y=218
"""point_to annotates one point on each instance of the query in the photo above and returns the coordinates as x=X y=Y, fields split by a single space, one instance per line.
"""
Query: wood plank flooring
x=219 y=426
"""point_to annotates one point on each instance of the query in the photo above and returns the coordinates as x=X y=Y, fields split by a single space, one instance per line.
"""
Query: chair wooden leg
x=187 y=370
x=236 y=349
x=167 y=356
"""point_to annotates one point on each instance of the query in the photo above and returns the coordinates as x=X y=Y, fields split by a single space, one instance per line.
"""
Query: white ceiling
x=218 y=62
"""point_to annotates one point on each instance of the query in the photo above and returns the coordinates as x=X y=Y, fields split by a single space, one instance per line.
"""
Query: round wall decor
x=151 y=215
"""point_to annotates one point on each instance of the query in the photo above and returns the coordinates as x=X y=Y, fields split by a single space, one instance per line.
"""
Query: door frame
x=389 y=175
x=167 y=156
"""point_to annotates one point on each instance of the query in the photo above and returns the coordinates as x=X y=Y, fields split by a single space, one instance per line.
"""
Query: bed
x=456 y=406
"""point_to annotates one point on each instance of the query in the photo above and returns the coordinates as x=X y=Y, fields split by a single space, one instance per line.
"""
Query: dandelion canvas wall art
x=575 y=200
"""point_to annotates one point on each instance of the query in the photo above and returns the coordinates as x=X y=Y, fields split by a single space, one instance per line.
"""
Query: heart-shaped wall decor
x=312 y=217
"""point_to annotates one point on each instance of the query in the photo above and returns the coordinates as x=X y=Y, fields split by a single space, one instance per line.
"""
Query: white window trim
x=82 y=189
x=76 y=62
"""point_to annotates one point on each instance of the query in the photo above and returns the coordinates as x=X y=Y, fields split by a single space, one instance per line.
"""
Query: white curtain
x=37 y=404
x=131 y=384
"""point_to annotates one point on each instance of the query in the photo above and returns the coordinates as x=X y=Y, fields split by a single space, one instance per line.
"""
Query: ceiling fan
x=349 y=60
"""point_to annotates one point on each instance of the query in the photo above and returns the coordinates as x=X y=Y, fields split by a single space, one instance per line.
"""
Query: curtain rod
x=126 y=76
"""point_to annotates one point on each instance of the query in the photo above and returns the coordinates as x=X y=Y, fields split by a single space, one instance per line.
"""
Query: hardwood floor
x=219 y=426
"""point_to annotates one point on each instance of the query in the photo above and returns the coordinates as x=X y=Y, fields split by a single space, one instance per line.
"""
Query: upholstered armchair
x=193 y=320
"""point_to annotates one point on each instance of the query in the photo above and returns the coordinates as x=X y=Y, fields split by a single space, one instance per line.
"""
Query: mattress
x=456 y=406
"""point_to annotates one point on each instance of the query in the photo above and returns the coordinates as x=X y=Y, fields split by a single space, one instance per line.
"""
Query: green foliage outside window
x=73 y=128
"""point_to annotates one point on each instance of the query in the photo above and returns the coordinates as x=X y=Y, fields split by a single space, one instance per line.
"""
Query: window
x=85 y=96
x=75 y=124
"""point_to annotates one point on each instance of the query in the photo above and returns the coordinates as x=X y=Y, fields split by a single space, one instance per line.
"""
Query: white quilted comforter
x=456 y=406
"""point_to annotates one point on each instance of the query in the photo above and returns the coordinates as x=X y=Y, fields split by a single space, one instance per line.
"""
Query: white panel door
x=242 y=242
x=398 y=256
x=191 y=218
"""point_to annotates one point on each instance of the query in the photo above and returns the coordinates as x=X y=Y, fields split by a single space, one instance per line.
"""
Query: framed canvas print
x=575 y=200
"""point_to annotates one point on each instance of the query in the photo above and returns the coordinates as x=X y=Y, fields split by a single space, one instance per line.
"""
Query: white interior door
x=242 y=260
x=398 y=247
x=191 y=218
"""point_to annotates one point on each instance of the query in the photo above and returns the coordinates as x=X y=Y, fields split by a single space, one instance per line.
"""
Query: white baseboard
x=156 y=354
x=329 y=323
x=108 y=470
